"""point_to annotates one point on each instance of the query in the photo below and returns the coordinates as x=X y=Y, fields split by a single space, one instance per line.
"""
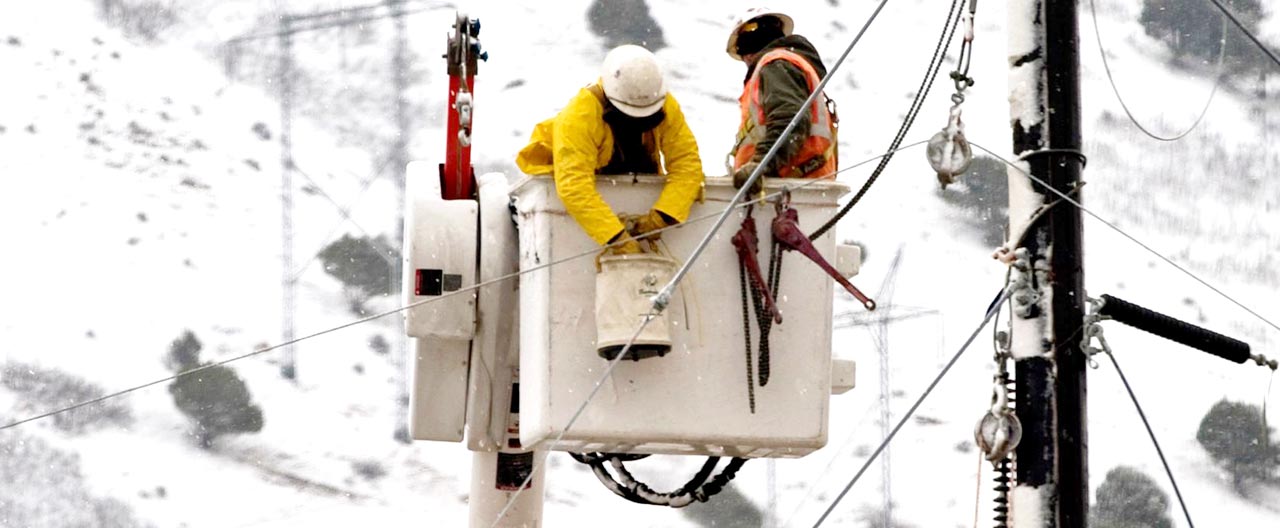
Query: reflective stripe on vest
x=817 y=156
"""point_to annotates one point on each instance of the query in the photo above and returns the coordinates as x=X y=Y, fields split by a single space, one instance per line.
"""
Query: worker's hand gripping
x=623 y=244
x=743 y=173
x=646 y=226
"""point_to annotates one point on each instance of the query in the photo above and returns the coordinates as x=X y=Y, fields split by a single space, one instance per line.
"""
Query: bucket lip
x=637 y=257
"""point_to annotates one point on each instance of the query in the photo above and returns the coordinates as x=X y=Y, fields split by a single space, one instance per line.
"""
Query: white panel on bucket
x=438 y=395
x=439 y=259
x=693 y=400
x=494 y=356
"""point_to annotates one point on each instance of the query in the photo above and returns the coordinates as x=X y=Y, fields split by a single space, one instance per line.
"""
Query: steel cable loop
x=1067 y=197
x=684 y=496
x=627 y=487
x=1217 y=80
x=926 y=84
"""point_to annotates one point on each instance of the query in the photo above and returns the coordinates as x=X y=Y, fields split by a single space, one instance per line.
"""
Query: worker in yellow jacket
x=626 y=122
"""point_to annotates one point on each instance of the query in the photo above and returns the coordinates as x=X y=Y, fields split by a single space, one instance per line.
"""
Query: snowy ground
x=133 y=209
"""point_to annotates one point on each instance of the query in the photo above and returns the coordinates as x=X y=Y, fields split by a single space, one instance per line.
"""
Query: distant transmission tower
x=880 y=331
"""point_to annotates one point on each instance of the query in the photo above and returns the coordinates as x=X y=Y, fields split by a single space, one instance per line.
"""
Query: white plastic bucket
x=625 y=285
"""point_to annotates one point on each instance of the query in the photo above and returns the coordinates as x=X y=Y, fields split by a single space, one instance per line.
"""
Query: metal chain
x=746 y=334
x=765 y=321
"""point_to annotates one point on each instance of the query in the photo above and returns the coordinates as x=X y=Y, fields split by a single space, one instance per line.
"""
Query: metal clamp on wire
x=999 y=431
x=1092 y=330
x=463 y=104
x=1084 y=160
x=948 y=152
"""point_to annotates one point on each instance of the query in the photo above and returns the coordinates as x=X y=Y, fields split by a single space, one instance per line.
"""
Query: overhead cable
x=446 y=295
x=664 y=296
x=931 y=73
x=645 y=320
x=328 y=25
x=1073 y=201
x=991 y=311
x=1217 y=80
x=345 y=212
x=1246 y=31
x=1152 y=434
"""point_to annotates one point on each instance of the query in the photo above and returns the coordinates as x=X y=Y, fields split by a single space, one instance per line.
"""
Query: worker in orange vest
x=783 y=69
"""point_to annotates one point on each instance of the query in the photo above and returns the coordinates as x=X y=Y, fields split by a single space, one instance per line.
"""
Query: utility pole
x=399 y=162
x=289 y=369
x=1048 y=279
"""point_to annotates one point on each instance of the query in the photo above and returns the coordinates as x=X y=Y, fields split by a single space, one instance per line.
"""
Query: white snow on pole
x=1030 y=506
x=1025 y=79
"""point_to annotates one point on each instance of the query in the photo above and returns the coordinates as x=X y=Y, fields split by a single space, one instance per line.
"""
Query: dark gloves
x=741 y=175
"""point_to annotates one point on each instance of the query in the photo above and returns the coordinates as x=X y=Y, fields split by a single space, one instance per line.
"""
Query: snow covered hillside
x=142 y=193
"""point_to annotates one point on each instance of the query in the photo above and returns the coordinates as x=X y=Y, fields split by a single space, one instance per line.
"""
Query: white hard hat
x=632 y=80
x=752 y=14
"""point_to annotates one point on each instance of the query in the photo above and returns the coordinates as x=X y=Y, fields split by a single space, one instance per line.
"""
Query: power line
x=342 y=11
x=1246 y=31
x=664 y=295
x=422 y=302
x=1152 y=434
x=926 y=84
x=653 y=313
x=328 y=25
x=991 y=311
x=345 y=213
x=1133 y=239
x=830 y=463
x=1217 y=80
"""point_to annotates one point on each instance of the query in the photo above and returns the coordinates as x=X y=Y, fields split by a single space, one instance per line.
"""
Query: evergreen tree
x=215 y=399
x=366 y=266
x=1234 y=436
x=621 y=22
x=184 y=352
x=1129 y=498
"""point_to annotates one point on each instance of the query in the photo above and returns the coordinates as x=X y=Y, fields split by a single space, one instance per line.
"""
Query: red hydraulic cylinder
x=457 y=178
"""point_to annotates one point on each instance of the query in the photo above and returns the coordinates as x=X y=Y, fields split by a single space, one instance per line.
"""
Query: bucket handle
x=646 y=246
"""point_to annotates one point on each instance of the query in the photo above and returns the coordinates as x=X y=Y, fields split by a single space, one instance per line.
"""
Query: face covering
x=629 y=155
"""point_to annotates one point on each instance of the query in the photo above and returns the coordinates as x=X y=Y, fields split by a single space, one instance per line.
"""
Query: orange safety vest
x=817 y=157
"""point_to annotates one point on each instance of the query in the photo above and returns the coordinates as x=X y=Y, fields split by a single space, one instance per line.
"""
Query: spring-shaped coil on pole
x=1004 y=467
x=1003 y=482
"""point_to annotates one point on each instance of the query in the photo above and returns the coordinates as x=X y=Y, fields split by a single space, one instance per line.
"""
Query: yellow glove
x=648 y=223
x=623 y=244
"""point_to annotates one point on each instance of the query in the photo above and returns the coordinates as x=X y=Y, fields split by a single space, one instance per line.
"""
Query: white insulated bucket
x=625 y=286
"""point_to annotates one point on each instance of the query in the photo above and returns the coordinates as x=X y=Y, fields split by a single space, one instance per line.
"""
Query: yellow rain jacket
x=577 y=142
